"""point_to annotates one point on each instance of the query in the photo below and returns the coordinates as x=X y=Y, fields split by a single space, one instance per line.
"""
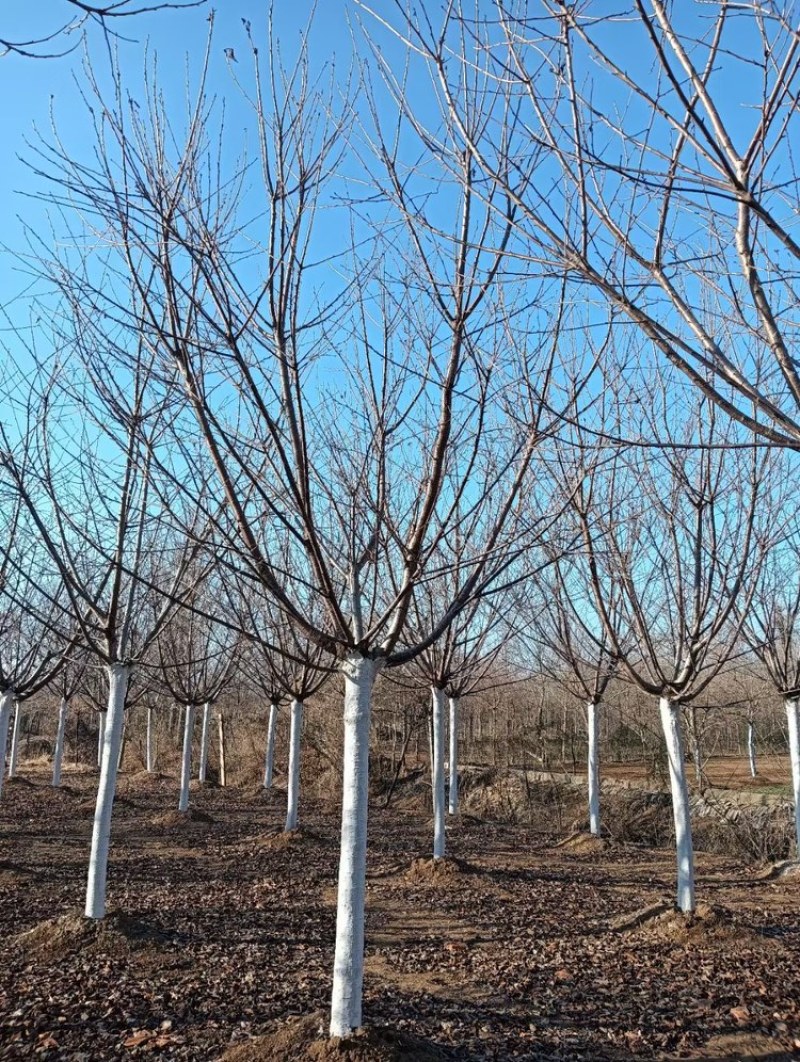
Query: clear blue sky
x=30 y=88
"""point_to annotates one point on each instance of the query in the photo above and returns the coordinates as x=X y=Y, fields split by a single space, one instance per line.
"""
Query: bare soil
x=217 y=942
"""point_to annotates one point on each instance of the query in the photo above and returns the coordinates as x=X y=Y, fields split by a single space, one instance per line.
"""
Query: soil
x=216 y=943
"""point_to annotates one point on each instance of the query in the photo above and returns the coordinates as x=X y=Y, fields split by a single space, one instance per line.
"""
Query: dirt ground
x=221 y=931
x=725 y=772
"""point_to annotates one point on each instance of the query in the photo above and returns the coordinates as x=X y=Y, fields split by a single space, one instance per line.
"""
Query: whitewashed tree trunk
x=437 y=772
x=14 y=754
x=793 y=719
x=452 y=778
x=101 y=736
x=671 y=725
x=204 y=737
x=269 y=759
x=186 y=758
x=6 y=704
x=348 y=964
x=293 y=795
x=593 y=771
x=751 y=748
x=101 y=833
x=149 y=750
x=223 y=773
x=61 y=730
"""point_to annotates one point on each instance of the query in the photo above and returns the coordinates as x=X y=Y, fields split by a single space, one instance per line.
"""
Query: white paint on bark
x=186 y=758
x=14 y=754
x=671 y=725
x=793 y=720
x=452 y=776
x=437 y=772
x=593 y=768
x=149 y=749
x=293 y=795
x=101 y=832
x=751 y=748
x=205 y=728
x=348 y=964
x=6 y=704
x=269 y=759
x=61 y=730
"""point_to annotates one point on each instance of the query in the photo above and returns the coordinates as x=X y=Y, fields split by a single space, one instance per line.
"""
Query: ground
x=221 y=930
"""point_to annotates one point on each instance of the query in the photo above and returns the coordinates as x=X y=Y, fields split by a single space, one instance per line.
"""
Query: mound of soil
x=435 y=871
x=87 y=807
x=744 y=1047
x=172 y=820
x=70 y=934
x=280 y=840
x=583 y=843
x=662 y=922
x=305 y=1038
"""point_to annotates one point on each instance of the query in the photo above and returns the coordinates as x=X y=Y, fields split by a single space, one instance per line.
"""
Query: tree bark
x=269 y=759
x=14 y=754
x=793 y=720
x=6 y=704
x=101 y=833
x=593 y=770
x=223 y=777
x=751 y=748
x=671 y=725
x=293 y=795
x=437 y=772
x=101 y=730
x=186 y=757
x=58 y=751
x=202 y=773
x=348 y=965
x=452 y=789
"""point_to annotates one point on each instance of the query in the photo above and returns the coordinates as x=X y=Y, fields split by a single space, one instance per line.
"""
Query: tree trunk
x=793 y=719
x=149 y=756
x=101 y=833
x=186 y=758
x=223 y=777
x=593 y=771
x=6 y=704
x=58 y=751
x=293 y=795
x=348 y=964
x=671 y=725
x=437 y=772
x=269 y=759
x=452 y=790
x=751 y=748
x=205 y=724
x=14 y=754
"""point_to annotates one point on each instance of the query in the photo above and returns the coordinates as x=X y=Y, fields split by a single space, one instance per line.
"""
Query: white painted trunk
x=671 y=725
x=204 y=738
x=101 y=736
x=793 y=719
x=348 y=964
x=751 y=749
x=437 y=772
x=101 y=833
x=14 y=754
x=186 y=758
x=58 y=752
x=149 y=749
x=293 y=796
x=593 y=768
x=6 y=704
x=452 y=776
x=269 y=759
